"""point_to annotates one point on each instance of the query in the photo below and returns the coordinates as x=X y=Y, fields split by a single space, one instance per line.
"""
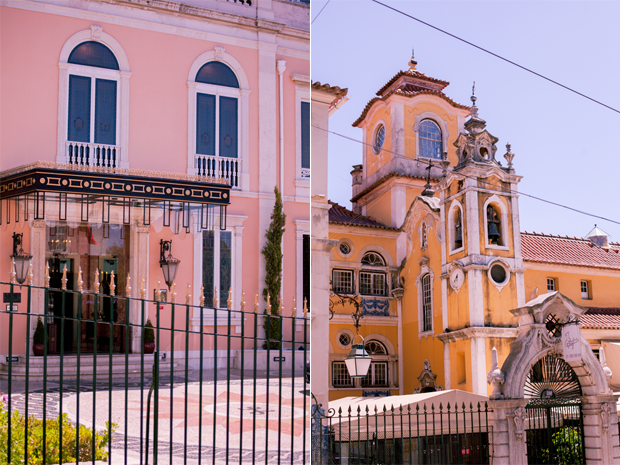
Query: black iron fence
x=209 y=392
x=413 y=434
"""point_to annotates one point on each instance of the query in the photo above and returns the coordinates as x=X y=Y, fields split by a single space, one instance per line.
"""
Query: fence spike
x=305 y=307
x=392 y=409
x=358 y=410
x=128 y=286
x=173 y=292
x=401 y=408
x=202 y=295
x=229 y=300
x=256 y=303
x=97 y=281
x=409 y=408
x=80 y=282
x=425 y=408
x=268 y=303
x=157 y=292
x=47 y=274
x=12 y=274
x=349 y=410
x=417 y=408
x=367 y=410
x=29 y=277
x=215 y=297
x=281 y=307
x=294 y=309
x=112 y=285
x=242 y=301
x=339 y=410
x=188 y=295
x=143 y=289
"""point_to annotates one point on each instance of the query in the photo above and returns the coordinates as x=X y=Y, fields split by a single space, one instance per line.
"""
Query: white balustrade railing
x=93 y=155
x=220 y=167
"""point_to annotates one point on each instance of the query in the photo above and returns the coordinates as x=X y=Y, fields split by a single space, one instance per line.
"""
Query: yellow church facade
x=431 y=257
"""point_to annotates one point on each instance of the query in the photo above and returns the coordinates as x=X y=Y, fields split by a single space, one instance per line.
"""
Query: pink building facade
x=207 y=98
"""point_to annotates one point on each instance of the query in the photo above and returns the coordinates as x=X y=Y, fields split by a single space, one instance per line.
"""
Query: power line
x=493 y=54
x=320 y=12
x=485 y=182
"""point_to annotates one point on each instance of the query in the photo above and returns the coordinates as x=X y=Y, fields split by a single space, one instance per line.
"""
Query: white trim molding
x=442 y=125
x=302 y=94
x=424 y=270
x=455 y=205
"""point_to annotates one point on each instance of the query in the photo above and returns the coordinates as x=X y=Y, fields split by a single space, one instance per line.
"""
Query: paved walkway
x=225 y=422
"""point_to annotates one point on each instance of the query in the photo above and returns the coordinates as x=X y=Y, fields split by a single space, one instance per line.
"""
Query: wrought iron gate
x=554 y=422
x=210 y=393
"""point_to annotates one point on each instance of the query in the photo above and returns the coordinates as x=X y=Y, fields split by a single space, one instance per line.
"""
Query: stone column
x=38 y=242
x=600 y=429
x=507 y=439
x=139 y=269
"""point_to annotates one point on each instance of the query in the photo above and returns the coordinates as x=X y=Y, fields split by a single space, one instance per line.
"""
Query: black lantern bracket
x=342 y=299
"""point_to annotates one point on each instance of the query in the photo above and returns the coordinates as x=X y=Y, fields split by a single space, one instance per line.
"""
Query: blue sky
x=566 y=146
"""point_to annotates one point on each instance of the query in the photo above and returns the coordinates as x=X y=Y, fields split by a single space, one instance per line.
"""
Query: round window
x=344 y=339
x=498 y=274
x=379 y=139
x=345 y=249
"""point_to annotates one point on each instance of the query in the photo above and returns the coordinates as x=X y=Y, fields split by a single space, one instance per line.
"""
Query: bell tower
x=482 y=268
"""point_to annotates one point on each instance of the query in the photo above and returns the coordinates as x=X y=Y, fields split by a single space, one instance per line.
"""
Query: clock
x=457 y=278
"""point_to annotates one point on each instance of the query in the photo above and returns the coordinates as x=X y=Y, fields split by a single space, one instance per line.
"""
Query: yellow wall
x=376 y=161
x=381 y=208
x=460 y=351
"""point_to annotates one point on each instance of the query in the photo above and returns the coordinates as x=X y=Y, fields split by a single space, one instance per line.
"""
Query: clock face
x=457 y=277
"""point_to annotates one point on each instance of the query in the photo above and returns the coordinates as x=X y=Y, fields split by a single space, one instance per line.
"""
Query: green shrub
x=39 y=333
x=72 y=438
x=149 y=334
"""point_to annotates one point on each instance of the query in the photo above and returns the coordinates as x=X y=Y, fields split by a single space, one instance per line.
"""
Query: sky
x=566 y=146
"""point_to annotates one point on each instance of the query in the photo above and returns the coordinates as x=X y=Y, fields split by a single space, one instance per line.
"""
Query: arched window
x=218 y=74
x=373 y=282
x=378 y=372
x=92 y=121
x=430 y=140
x=427 y=303
x=494 y=225
x=378 y=139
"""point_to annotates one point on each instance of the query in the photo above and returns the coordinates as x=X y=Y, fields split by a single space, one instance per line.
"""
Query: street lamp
x=358 y=360
x=169 y=265
x=20 y=258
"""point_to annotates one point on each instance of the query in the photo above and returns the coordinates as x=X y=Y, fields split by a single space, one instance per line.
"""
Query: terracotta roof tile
x=341 y=215
x=568 y=251
x=601 y=318
x=383 y=179
x=413 y=74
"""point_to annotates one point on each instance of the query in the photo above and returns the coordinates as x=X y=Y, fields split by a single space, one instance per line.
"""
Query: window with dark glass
x=378 y=372
x=216 y=266
x=342 y=281
x=306 y=269
x=340 y=375
x=373 y=282
x=430 y=139
x=92 y=101
x=427 y=303
x=217 y=115
x=305 y=137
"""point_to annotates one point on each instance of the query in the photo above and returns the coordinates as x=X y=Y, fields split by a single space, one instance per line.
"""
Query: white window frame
x=243 y=111
x=551 y=284
x=443 y=126
x=342 y=364
x=585 y=295
x=424 y=270
x=456 y=205
x=351 y=273
x=499 y=204
x=302 y=94
x=372 y=373
x=96 y=34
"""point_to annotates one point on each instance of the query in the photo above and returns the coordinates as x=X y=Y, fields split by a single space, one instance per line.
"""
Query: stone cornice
x=477 y=331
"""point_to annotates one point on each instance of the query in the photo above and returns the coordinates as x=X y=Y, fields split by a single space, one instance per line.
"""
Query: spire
x=475 y=123
x=598 y=237
x=412 y=62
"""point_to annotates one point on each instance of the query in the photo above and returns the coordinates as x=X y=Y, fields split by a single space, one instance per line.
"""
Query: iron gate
x=554 y=422
x=210 y=393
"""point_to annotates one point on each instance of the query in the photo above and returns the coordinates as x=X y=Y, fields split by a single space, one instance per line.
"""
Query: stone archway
x=508 y=400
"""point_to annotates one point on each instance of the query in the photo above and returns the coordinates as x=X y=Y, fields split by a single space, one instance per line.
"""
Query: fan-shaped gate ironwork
x=554 y=428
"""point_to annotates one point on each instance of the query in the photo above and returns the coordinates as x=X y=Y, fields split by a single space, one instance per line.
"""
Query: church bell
x=493 y=233
x=458 y=241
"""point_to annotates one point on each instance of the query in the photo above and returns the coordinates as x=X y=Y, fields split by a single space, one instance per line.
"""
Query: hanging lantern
x=21 y=259
x=169 y=265
x=358 y=360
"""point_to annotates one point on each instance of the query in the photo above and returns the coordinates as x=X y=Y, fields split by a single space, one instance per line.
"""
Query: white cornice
x=367 y=320
x=570 y=269
x=477 y=331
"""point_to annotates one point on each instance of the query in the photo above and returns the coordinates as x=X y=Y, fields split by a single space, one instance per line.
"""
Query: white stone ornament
x=519 y=420
x=606 y=369
x=457 y=278
x=219 y=52
x=495 y=377
x=571 y=342
x=605 y=412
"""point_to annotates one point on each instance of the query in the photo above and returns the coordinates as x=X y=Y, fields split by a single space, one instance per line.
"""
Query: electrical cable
x=493 y=54
x=320 y=12
x=485 y=182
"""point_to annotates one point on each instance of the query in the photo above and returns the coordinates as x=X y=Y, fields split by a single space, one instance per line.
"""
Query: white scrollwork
x=605 y=412
x=95 y=31
x=519 y=420
x=219 y=52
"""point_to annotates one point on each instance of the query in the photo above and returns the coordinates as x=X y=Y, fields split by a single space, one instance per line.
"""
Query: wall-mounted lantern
x=169 y=265
x=21 y=258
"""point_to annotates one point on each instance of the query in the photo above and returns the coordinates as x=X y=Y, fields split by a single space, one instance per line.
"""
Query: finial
x=412 y=62
x=242 y=301
x=229 y=300
x=256 y=303
x=12 y=274
x=143 y=289
x=294 y=309
x=29 y=277
x=128 y=286
x=173 y=292
x=80 y=282
x=305 y=307
x=97 y=281
x=281 y=308
x=112 y=285
x=47 y=274
x=509 y=156
x=474 y=108
x=188 y=295
x=202 y=295
x=268 y=303
x=157 y=292
x=428 y=192
x=215 y=297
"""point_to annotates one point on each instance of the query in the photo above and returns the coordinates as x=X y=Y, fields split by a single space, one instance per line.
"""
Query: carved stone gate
x=544 y=406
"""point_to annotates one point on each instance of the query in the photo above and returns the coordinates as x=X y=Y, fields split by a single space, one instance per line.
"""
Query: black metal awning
x=129 y=188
